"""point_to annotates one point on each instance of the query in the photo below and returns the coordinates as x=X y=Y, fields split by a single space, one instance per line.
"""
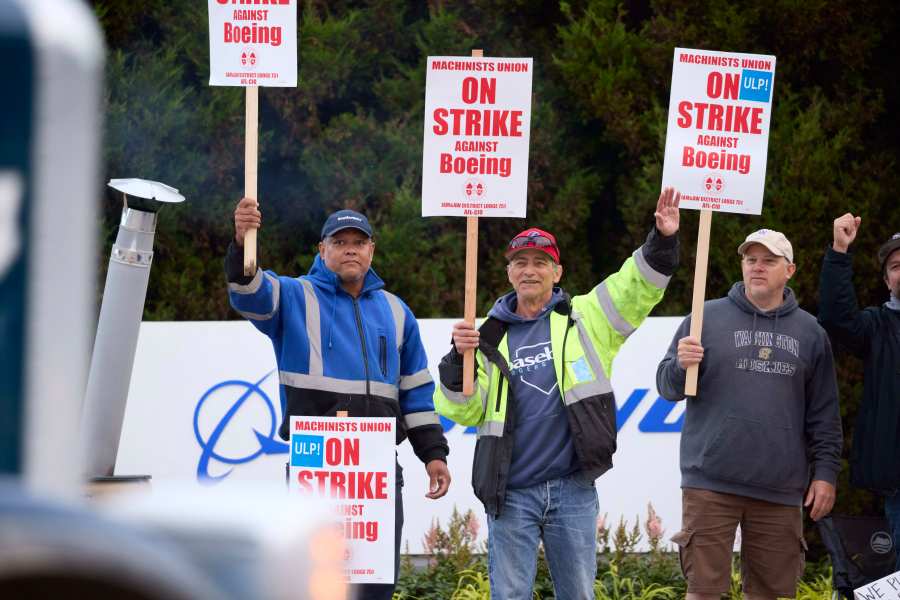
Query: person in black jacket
x=873 y=334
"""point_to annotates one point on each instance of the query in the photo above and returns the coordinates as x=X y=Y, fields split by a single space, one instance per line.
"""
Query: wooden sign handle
x=251 y=143
x=469 y=310
x=342 y=414
x=471 y=288
x=690 y=382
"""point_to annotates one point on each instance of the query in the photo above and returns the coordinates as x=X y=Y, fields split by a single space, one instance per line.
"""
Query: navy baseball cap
x=345 y=219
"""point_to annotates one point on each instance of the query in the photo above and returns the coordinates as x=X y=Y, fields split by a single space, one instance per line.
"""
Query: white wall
x=178 y=364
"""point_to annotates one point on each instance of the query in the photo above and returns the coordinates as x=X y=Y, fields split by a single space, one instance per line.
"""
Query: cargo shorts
x=772 y=545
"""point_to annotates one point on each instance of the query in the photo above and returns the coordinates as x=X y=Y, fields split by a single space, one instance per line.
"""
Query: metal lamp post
x=119 y=322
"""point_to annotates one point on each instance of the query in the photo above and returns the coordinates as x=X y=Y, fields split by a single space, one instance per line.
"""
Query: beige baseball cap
x=775 y=241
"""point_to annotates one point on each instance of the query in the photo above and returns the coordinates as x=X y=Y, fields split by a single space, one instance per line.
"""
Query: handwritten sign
x=886 y=588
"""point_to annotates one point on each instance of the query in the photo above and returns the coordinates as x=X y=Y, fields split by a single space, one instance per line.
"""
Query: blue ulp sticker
x=580 y=370
x=306 y=450
x=756 y=85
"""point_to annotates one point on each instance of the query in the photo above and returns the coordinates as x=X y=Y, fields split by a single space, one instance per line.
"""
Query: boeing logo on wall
x=253 y=442
x=240 y=415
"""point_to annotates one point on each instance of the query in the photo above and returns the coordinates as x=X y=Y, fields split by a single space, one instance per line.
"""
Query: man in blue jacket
x=872 y=334
x=342 y=342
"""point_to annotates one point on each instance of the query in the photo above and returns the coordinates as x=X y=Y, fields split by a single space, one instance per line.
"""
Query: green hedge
x=458 y=569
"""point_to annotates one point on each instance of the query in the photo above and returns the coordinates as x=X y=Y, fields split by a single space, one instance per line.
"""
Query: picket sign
x=251 y=164
x=717 y=140
x=252 y=47
x=471 y=288
x=886 y=588
x=349 y=465
x=475 y=151
x=699 y=298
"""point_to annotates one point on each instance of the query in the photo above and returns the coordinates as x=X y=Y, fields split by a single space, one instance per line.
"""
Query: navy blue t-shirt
x=542 y=446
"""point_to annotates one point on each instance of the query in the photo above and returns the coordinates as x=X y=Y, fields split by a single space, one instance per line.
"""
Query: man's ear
x=791 y=269
x=557 y=272
x=322 y=250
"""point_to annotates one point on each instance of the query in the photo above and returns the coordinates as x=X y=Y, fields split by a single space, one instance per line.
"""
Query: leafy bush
x=456 y=571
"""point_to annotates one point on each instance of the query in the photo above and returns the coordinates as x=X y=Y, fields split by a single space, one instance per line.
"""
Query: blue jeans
x=892 y=512
x=562 y=513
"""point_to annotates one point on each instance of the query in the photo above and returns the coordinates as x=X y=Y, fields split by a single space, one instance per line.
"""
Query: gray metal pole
x=116 y=342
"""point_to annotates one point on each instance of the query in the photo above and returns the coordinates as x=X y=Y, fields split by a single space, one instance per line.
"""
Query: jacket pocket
x=491 y=454
x=593 y=425
x=802 y=565
x=755 y=452
x=683 y=540
x=484 y=468
x=382 y=354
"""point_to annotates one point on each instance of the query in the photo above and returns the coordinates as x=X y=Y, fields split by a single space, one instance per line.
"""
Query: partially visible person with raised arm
x=872 y=334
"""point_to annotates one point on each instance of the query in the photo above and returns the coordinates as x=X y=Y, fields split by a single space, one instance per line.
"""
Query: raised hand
x=845 y=228
x=246 y=217
x=667 y=211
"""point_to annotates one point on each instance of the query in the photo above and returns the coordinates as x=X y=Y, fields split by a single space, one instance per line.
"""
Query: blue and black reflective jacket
x=335 y=352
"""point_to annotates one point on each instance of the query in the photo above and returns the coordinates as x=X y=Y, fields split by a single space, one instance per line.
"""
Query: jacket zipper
x=562 y=385
x=362 y=342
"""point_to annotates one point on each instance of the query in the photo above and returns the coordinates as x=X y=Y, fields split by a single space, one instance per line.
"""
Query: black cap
x=887 y=248
x=345 y=219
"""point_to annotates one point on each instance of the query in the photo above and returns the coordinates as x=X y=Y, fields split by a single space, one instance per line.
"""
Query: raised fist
x=845 y=228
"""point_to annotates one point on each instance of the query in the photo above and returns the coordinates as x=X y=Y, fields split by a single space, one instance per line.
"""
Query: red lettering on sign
x=483 y=91
x=303 y=478
x=269 y=2
x=474 y=122
x=357 y=485
x=483 y=165
x=725 y=161
x=361 y=530
x=717 y=83
x=251 y=34
x=338 y=451
x=719 y=117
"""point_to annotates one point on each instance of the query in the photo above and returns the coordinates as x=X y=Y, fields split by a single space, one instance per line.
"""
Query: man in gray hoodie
x=762 y=433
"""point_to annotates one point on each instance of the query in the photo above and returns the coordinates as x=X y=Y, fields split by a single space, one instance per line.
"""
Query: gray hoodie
x=766 y=418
